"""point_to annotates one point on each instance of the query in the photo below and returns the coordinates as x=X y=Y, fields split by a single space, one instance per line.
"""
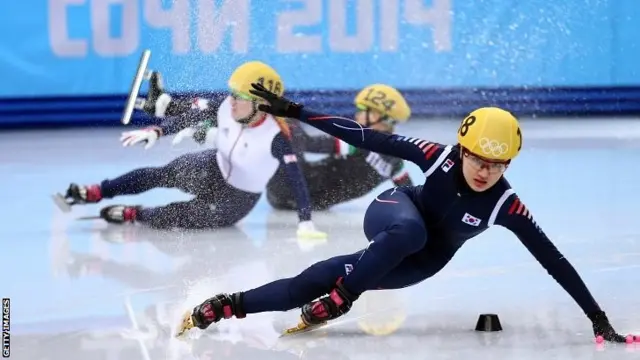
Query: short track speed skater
x=212 y=176
x=411 y=238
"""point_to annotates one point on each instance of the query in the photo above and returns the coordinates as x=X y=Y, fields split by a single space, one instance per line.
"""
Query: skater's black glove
x=278 y=106
x=602 y=327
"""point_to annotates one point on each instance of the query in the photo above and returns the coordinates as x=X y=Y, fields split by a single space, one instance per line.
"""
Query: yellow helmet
x=491 y=133
x=255 y=72
x=385 y=100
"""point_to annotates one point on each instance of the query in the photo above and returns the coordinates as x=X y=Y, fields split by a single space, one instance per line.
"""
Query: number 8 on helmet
x=492 y=134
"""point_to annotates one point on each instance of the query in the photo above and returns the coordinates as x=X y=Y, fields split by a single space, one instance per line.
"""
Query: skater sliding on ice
x=347 y=174
x=413 y=232
x=227 y=181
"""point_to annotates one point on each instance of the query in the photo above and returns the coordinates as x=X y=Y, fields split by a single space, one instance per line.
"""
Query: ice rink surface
x=85 y=290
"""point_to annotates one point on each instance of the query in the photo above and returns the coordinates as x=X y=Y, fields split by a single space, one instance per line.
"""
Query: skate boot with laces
x=212 y=310
x=119 y=214
x=329 y=307
x=78 y=195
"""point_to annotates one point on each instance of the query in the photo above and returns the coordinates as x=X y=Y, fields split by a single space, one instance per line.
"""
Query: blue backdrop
x=81 y=47
x=72 y=61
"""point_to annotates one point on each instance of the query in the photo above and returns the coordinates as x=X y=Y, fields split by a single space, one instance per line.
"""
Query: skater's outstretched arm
x=421 y=152
x=283 y=151
x=515 y=216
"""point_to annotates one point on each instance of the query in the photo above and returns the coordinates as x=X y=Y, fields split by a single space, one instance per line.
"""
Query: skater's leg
x=320 y=278
x=216 y=204
x=195 y=173
x=286 y=294
x=199 y=213
x=314 y=282
x=395 y=229
x=182 y=172
x=414 y=269
x=280 y=295
x=185 y=172
x=135 y=182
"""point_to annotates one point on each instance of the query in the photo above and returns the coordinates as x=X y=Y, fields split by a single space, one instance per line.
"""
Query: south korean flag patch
x=471 y=220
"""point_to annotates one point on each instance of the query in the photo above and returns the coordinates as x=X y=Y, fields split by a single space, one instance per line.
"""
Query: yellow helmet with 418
x=491 y=133
x=255 y=72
